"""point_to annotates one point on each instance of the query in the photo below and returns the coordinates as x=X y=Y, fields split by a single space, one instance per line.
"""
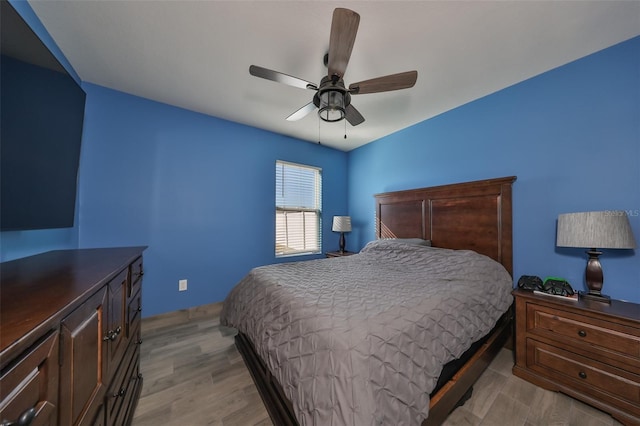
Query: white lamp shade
x=341 y=224
x=605 y=229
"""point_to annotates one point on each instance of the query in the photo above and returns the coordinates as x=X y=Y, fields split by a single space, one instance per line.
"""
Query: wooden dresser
x=70 y=337
x=585 y=349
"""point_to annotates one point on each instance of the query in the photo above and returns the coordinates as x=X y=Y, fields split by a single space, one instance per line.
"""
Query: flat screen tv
x=41 y=119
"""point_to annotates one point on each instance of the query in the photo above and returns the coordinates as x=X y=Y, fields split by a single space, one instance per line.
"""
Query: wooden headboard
x=470 y=215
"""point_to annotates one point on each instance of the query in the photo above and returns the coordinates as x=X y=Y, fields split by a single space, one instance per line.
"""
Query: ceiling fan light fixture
x=332 y=105
x=332 y=98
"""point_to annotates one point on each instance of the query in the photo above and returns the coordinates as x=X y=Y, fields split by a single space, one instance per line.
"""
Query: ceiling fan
x=332 y=98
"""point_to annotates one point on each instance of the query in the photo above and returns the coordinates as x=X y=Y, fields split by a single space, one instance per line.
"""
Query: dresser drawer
x=124 y=387
x=587 y=375
x=31 y=383
x=134 y=313
x=608 y=336
x=135 y=276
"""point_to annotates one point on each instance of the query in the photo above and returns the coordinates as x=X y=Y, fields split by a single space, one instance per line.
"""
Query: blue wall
x=199 y=191
x=571 y=136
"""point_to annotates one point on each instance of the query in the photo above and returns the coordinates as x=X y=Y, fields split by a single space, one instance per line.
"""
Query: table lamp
x=595 y=230
x=341 y=224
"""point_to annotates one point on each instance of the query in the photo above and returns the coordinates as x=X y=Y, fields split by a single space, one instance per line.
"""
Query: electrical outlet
x=182 y=285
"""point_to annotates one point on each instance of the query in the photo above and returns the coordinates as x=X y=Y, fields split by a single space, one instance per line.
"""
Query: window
x=298 y=209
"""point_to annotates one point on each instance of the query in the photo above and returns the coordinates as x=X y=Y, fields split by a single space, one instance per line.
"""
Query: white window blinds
x=298 y=209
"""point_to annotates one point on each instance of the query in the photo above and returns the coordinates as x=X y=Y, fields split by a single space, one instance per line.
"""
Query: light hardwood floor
x=193 y=376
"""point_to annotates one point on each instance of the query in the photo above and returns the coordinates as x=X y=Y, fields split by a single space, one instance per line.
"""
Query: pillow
x=414 y=241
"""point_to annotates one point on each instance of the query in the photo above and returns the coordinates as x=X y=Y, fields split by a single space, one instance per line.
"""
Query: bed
x=371 y=338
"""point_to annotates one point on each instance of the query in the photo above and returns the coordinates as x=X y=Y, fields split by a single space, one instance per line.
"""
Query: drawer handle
x=120 y=393
x=25 y=418
x=582 y=333
x=582 y=375
x=112 y=334
x=139 y=309
x=139 y=342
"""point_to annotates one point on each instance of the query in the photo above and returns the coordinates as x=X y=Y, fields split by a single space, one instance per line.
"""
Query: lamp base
x=598 y=297
x=342 y=242
x=595 y=278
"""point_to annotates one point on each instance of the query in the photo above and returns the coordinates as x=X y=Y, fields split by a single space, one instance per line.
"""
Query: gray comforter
x=361 y=340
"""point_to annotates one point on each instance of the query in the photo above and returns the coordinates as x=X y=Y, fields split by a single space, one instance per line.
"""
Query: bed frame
x=471 y=215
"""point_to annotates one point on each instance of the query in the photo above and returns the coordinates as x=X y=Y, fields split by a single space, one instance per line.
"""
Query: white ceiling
x=196 y=54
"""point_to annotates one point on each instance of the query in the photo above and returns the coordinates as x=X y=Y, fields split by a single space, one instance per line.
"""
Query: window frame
x=285 y=209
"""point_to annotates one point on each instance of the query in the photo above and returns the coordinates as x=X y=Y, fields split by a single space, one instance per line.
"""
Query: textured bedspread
x=361 y=340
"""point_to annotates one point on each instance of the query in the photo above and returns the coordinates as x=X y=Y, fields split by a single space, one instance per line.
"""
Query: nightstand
x=338 y=253
x=585 y=349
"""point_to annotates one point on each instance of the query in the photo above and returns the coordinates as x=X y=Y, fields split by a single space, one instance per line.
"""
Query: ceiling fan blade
x=302 y=112
x=353 y=116
x=343 y=34
x=398 y=81
x=279 y=77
